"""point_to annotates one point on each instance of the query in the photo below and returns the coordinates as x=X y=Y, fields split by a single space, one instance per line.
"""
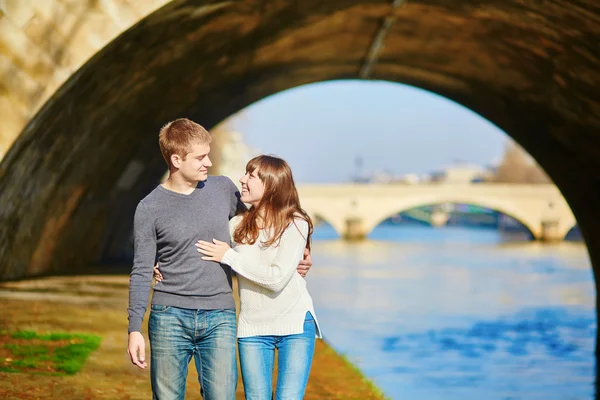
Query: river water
x=459 y=313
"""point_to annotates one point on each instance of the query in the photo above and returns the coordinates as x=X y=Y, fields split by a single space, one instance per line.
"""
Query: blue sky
x=321 y=129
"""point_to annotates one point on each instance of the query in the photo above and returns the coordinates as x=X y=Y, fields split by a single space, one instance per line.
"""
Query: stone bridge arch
x=366 y=206
x=337 y=223
x=70 y=181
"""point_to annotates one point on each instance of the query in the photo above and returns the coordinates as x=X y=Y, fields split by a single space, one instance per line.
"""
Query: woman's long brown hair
x=278 y=207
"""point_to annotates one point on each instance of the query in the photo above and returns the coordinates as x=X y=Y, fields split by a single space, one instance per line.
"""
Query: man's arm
x=140 y=281
x=305 y=263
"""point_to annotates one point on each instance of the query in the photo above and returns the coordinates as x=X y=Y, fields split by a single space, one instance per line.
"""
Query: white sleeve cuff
x=230 y=257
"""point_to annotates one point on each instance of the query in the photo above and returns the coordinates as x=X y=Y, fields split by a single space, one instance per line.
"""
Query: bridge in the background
x=354 y=210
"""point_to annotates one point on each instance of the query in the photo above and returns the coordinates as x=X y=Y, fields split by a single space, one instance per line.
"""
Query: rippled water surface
x=459 y=313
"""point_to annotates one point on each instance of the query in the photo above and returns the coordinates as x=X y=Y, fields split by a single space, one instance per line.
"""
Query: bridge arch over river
x=355 y=210
x=71 y=178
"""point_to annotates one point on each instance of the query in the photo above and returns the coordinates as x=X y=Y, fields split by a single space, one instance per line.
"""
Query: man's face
x=196 y=163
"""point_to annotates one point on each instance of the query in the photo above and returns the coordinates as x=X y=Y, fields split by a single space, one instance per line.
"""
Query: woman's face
x=252 y=188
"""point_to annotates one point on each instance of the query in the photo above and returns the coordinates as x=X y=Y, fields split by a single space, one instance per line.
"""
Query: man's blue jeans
x=295 y=353
x=177 y=335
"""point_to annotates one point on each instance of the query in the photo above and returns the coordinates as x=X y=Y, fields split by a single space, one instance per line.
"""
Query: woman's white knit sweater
x=273 y=296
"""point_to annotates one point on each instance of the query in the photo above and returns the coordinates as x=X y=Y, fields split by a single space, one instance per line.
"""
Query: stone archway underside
x=70 y=182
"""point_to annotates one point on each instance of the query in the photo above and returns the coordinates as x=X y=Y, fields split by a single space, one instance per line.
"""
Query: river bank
x=97 y=305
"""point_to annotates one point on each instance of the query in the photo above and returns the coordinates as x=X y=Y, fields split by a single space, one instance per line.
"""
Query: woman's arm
x=276 y=275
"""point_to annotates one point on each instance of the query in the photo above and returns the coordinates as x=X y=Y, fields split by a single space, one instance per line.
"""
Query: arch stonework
x=43 y=42
x=84 y=160
x=72 y=177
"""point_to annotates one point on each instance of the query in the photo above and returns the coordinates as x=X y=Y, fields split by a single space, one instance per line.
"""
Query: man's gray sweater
x=168 y=224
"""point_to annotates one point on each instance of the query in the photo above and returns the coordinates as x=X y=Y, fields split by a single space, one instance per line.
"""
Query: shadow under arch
x=70 y=182
x=530 y=229
x=381 y=215
x=573 y=233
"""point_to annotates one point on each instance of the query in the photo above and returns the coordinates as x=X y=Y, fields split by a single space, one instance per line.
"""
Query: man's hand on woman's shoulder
x=305 y=264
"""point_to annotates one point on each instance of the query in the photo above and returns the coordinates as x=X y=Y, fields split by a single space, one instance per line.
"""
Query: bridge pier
x=439 y=218
x=550 y=231
x=354 y=229
x=550 y=227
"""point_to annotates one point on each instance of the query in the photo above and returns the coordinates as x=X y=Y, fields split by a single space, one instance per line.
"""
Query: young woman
x=276 y=310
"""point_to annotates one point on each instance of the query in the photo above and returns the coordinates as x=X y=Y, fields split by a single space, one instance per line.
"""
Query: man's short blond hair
x=178 y=136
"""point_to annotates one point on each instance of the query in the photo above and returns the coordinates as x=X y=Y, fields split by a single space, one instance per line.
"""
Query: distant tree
x=518 y=167
x=535 y=174
x=513 y=166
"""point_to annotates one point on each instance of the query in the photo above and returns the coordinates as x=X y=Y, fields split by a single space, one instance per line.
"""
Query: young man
x=192 y=312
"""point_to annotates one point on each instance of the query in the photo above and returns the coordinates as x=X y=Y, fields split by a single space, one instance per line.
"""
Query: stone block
x=19 y=48
x=17 y=85
x=18 y=11
x=45 y=35
x=121 y=13
x=100 y=29
x=144 y=7
x=63 y=20
x=48 y=9
x=79 y=51
x=12 y=121
x=94 y=28
x=76 y=6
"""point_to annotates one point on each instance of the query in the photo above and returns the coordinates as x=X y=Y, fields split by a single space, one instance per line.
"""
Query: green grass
x=8 y=369
x=66 y=359
x=27 y=350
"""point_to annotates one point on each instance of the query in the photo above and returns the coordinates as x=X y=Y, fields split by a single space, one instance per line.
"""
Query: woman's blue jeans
x=177 y=335
x=295 y=353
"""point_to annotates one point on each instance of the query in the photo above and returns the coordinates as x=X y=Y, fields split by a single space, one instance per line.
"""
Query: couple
x=188 y=224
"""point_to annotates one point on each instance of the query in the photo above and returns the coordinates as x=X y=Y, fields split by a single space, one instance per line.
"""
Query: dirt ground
x=97 y=305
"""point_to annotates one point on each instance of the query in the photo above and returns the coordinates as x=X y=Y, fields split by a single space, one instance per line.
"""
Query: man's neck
x=178 y=185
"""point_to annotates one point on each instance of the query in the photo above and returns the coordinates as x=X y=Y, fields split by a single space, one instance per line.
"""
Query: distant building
x=391 y=178
x=410 y=179
x=460 y=174
x=456 y=174
x=382 y=177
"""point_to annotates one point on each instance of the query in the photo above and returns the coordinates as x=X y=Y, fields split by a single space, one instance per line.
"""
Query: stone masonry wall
x=43 y=42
